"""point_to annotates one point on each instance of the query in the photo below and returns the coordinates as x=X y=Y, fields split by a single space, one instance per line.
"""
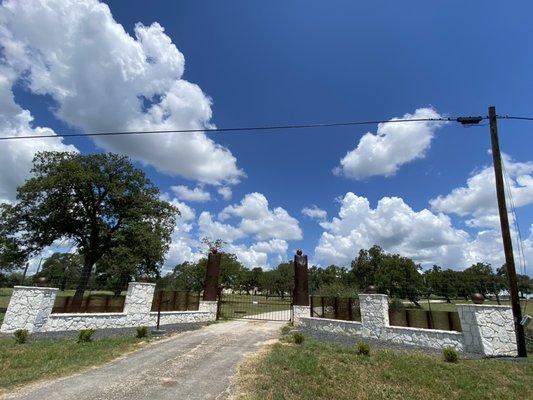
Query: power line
x=513 y=117
x=238 y=129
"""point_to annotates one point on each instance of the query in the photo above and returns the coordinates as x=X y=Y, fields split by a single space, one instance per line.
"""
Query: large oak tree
x=99 y=201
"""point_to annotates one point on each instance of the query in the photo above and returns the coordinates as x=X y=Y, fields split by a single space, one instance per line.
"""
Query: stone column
x=211 y=276
x=210 y=307
x=488 y=329
x=138 y=302
x=29 y=308
x=374 y=314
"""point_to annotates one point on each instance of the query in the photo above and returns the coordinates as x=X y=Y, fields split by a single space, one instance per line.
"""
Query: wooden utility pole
x=506 y=234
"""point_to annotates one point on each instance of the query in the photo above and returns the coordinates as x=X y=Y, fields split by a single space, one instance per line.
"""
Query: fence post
x=350 y=311
x=488 y=329
x=374 y=314
x=29 y=308
x=138 y=303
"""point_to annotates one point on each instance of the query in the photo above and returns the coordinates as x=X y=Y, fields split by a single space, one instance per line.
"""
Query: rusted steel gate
x=256 y=307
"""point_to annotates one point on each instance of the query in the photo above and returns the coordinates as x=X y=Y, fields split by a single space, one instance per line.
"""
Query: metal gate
x=255 y=307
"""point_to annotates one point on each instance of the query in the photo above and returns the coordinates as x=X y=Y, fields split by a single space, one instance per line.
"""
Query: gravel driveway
x=190 y=365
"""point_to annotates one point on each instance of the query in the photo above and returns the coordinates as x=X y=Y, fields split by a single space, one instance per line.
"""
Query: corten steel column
x=211 y=276
x=300 y=295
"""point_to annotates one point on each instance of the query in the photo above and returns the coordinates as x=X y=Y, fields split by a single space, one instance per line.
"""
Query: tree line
x=393 y=274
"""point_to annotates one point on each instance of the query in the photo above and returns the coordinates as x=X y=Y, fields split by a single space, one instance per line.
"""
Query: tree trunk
x=82 y=285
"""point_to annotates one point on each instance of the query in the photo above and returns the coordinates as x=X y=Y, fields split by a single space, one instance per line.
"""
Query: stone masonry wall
x=299 y=312
x=374 y=314
x=487 y=330
x=30 y=308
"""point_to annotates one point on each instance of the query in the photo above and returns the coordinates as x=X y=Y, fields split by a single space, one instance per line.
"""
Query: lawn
x=24 y=363
x=316 y=370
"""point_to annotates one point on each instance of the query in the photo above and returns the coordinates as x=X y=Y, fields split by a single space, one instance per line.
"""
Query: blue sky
x=303 y=62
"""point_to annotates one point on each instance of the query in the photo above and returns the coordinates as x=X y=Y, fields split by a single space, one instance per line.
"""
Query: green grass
x=315 y=370
x=24 y=363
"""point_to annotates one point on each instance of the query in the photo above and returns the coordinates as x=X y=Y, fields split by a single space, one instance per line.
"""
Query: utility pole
x=506 y=234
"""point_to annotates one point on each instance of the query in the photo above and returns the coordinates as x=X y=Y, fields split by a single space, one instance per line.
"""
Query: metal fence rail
x=175 y=300
x=344 y=308
x=443 y=320
x=98 y=303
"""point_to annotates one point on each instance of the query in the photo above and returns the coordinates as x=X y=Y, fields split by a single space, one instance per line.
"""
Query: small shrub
x=21 y=336
x=142 y=332
x=298 y=337
x=285 y=329
x=85 y=336
x=450 y=355
x=363 y=349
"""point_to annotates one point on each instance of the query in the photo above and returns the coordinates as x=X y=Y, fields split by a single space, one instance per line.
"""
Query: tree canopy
x=101 y=202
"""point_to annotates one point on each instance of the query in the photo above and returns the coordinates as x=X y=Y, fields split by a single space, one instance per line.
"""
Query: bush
x=450 y=355
x=21 y=336
x=85 y=336
x=285 y=329
x=298 y=337
x=363 y=349
x=142 y=331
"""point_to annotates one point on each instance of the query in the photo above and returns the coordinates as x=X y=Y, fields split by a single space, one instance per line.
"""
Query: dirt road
x=191 y=365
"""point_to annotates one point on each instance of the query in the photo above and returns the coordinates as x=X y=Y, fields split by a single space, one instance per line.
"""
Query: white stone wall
x=76 y=322
x=432 y=338
x=208 y=306
x=299 y=312
x=351 y=328
x=488 y=329
x=374 y=314
x=178 y=317
x=138 y=302
x=30 y=308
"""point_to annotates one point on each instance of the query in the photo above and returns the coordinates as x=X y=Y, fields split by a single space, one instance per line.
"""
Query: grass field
x=324 y=371
x=35 y=360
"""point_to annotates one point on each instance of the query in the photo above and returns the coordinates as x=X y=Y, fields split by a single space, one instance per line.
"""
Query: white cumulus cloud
x=314 y=212
x=478 y=198
x=394 y=144
x=103 y=79
x=257 y=219
x=225 y=192
x=16 y=155
x=197 y=194
x=422 y=235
